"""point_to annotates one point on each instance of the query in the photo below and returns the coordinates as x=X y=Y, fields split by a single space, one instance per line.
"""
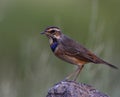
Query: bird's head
x=52 y=32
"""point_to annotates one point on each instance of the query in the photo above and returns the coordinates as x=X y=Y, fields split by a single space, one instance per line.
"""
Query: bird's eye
x=52 y=31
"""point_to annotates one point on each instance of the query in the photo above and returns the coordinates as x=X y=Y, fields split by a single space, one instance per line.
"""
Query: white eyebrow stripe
x=54 y=29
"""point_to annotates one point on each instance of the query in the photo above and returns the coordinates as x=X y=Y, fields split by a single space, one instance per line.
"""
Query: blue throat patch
x=53 y=46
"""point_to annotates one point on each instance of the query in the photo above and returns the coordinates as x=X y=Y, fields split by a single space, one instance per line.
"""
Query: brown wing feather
x=74 y=49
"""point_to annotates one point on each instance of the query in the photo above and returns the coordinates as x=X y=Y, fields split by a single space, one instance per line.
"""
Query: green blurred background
x=28 y=67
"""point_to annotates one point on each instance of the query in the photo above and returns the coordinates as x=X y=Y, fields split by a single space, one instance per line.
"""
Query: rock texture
x=74 y=89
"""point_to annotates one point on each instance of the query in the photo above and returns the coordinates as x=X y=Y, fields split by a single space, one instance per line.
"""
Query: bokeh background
x=28 y=67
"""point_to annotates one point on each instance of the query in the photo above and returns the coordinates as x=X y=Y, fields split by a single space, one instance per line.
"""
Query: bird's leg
x=78 y=72
x=72 y=74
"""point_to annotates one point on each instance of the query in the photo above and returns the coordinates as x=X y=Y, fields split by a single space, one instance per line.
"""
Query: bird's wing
x=81 y=54
x=74 y=49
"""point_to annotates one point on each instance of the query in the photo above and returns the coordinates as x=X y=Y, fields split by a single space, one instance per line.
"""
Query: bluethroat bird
x=71 y=51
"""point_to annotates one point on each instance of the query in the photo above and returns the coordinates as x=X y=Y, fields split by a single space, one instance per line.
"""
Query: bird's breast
x=53 y=46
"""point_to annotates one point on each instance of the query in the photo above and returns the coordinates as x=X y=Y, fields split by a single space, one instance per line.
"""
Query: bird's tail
x=113 y=66
x=106 y=63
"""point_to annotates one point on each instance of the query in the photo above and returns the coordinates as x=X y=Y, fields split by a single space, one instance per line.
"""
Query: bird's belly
x=69 y=59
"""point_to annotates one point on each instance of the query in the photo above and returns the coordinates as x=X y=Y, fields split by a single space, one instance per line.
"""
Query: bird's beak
x=42 y=32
